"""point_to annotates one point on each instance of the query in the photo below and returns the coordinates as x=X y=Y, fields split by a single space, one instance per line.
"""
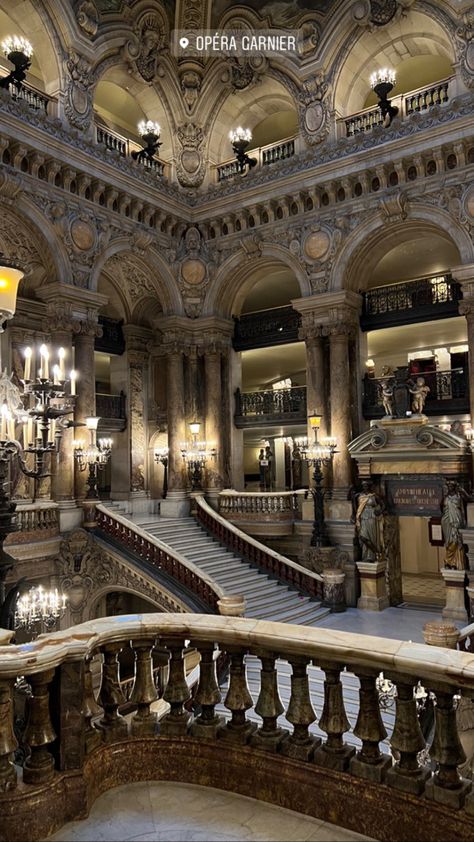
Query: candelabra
x=149 y=132
x=196 y=454
x=240 y=139
x=317 y=455
x=93 y=456
x=18 y=51
x=161 y=457
x=38 y=609
x=382 y=82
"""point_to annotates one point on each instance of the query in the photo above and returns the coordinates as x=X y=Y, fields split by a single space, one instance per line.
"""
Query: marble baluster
x=144 y=690
x=177 y=722
x=369 y=762
x=238 y=700
x=208 y=723
x=269 y=735
x=300 y=744
x=407 y=739
x=112 y=724
x=93 y=737
x=8 y=741
x=39 y=732
x=334 y=753
x=447 y=786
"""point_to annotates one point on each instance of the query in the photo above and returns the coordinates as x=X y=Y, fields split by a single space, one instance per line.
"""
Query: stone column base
x=333 y=590
x=455 y=608
x=69 y=515
x=373 y=596
x=232 y=605
x=176 y=504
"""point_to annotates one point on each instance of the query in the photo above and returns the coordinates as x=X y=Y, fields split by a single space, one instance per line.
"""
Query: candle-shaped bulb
x=56 y=375
x=73 y=378
x=28 y=352
x=61 y=355
x=44 y=362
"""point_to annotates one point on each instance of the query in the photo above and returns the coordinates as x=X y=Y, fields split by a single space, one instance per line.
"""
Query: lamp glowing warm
x=314 y=421
x=17 y=44
x=149 y=127
x=195 y=426
x=10 y=277
x=92 y=422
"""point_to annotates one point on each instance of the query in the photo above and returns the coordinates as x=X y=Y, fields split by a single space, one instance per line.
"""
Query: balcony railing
x=248 y=505
x=37 y=100
x=270 y=405
x=449 y=393
x=421 y=99
x=110 y=406
x=424 y=299
x=34 y=521
x=265 y=155
x=261 y=329
x=124 y=146
x=76 y=743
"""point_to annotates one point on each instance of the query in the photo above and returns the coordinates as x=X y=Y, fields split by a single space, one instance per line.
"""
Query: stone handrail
x=276 y=505
x=77 y=746
x=40 y=517
x=420 y=99
x=283 y=568
x=265 y=155
x=159 y=555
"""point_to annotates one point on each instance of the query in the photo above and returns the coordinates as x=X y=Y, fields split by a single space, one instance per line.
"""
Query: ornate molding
x=190 y=163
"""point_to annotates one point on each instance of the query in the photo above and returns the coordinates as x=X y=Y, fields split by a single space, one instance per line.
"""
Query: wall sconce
x=370 y=366
x=149 y=132
x=240 y=139
x=382 y=82
x=19 y=51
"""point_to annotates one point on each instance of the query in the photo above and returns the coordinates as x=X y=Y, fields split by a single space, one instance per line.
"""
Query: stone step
x=273 y=597
x=292 y=611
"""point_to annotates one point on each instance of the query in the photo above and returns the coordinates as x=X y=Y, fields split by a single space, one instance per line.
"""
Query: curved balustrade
x=260 y=555
x=77 y=746
x=38 y=518
x=265 y=155
x=275 y=505
x=160 y=556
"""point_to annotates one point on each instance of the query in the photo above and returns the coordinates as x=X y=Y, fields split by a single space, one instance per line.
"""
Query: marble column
x=315 y=391
x=339 y=334
x=85 y=400
x=137 y=422
x=465 y=276
x=63 y=473
x=214 y=417
x=176 y=499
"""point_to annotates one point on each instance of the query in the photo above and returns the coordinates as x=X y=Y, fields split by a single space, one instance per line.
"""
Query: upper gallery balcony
x=421 y=300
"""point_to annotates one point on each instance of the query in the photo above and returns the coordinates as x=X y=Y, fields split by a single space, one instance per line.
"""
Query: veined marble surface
x=172 y=812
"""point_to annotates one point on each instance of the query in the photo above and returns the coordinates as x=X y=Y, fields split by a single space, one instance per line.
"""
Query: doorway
x=421 y=562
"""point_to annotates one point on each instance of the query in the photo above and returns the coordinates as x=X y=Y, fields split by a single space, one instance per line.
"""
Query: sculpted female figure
x=368 y=522
x=453 y=520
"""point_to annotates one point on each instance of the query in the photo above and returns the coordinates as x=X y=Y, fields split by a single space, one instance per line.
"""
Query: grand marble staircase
x=266 y=598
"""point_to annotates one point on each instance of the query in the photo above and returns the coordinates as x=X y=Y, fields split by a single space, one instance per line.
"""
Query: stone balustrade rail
x=274 y=505
x=271 y=562
x=76 y=746
x=40 y=518
x=160 y=556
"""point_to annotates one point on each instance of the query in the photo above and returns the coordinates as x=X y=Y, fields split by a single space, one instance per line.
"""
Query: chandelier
x=196 y=454
x=39 y=608
x=382 y=82
x=149 y=132
x=240 y=139
x=19 y=51
x=93 y=456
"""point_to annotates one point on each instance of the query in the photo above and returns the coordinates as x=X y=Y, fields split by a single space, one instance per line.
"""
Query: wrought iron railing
x=421 y=99
x=110 y=406
x=265 y=155
x=289 y=404
x=449 y=392
x=263 y=328
x=418 y=300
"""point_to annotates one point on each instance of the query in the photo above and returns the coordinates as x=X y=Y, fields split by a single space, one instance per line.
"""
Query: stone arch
x=38 y=27
x=26 y=235
x=139 y=275
x=165 y=602
x=367 y=244
x=234 y=278
x=426 y=31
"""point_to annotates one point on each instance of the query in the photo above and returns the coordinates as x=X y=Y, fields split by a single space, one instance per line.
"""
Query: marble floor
x=171 y=812
x=398 y=623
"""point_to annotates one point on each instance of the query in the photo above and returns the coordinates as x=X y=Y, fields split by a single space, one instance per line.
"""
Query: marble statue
x=420 y=392
x=386 y=389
